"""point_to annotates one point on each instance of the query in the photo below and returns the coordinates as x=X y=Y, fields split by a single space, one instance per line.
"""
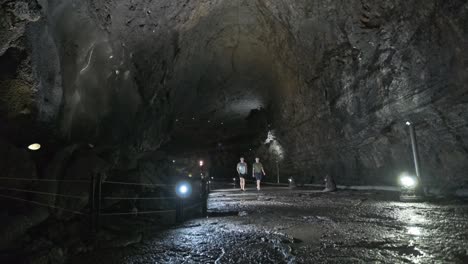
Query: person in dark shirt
x=258 y=172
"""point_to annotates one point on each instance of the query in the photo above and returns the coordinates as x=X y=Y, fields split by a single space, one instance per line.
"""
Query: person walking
x=258 y=172
x=242 y=171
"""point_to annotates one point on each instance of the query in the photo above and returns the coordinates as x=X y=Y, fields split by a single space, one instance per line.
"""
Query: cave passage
x=119 y=113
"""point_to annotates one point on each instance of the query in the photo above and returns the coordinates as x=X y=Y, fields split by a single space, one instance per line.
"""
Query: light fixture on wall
x=34 y=146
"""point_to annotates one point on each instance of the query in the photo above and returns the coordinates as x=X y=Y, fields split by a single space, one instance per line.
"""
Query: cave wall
x=370 y=66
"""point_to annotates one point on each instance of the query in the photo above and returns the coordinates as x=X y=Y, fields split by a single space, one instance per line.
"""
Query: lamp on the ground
x=292 y=183
x=409 y=186
x=412 y=186
x=183 y=189
x=408 y=182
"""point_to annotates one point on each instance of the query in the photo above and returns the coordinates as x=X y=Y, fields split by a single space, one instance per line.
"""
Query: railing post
x=277 y=172
x=204 y=197
x=179 y=209
x=92 y=204
x=98 y=200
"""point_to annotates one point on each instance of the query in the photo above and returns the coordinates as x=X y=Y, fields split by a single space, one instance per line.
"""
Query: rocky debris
x=106 y=239
x=243 y=213
x=14 y=228
x=55 y=255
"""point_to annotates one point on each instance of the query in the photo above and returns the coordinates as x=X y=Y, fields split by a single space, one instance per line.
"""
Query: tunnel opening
x=139 y=92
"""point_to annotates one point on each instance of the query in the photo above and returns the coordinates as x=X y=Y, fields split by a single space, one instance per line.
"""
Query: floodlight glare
x=183 y=189
x=407 y=181
x=34 y=146
x=408 y=123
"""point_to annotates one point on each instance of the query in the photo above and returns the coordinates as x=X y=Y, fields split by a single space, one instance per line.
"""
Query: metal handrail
x=94 y=197
x=139 y=184
x=43 y=204
x=45 y=180
x=138 y=212
x=43 y=193
x=138 y=198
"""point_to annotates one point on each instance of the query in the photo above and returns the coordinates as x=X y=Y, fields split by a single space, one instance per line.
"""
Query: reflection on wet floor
x=305 y=226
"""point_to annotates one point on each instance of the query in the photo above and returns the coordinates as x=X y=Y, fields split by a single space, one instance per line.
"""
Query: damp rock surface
x=306 y=226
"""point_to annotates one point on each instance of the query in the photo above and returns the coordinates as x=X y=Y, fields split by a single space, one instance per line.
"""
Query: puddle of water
x=383 y=245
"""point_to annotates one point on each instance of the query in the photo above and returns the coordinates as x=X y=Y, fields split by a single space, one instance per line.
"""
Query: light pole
x=413 y=190
x=277 y=171
x=183 y=190
x=414 y=147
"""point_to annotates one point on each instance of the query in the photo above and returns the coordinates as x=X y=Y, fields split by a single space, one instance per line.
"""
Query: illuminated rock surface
x=335 y=81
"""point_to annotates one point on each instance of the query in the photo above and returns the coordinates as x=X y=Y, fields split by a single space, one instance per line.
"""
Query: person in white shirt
x=242 y=171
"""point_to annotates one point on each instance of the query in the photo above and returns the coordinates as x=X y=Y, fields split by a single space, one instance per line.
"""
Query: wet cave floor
x=278 y=225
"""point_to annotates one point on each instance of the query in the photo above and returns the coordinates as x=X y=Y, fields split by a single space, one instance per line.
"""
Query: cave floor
x=278 y=225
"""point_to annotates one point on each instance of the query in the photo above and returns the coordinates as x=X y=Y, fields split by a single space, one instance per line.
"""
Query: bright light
x=34 y=146
x=408 y=123
x=190 y=175
x=183 y=189
x=414 y=230
x=290 y=180
x=173 y=161
x=201 y=163
x=407 y=181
